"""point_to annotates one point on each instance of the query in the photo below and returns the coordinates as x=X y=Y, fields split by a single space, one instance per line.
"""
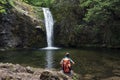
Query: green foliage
x=2 y=6
x=76 y=77
x=100 y=10
x=5 y=5
x=41 y=3
x=79 y=29
x=88 y=21
x=105 y=15
x=67 y=16
x=81 y=21
x=2 y=10
x=3 y=1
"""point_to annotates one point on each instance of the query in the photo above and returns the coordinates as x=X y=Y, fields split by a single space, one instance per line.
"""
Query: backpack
x=66 y=65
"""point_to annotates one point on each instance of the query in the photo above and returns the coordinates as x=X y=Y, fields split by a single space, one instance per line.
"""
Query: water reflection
x=93 y=61
x=49 y=59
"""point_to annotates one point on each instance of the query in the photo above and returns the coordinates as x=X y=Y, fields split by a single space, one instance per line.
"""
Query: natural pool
x=88 y=61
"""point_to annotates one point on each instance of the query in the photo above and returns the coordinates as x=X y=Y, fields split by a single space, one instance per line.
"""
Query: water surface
x=92 y=61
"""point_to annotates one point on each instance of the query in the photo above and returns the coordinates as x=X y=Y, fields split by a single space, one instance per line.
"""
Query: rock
x=47 y=75
x=7 y=65
x=7 y=78
x=17 y=26
x=10 y=71
x=116 y=72
x=38 y=27
x=2 y=49
x=18 y=68
x=88 y=77
x=29 y=70
x=112 y=78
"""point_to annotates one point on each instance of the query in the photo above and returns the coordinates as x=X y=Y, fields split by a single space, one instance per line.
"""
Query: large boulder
x=47 y=75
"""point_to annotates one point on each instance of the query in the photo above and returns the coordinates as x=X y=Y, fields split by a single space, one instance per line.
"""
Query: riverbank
x=9 y=71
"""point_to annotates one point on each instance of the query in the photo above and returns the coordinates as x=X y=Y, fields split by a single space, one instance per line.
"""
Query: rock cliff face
x=18 y=27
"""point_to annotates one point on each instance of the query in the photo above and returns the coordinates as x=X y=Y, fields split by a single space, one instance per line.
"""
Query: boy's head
x=67 y=54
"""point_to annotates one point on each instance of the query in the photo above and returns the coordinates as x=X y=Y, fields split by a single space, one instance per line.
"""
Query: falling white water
x=49 y=28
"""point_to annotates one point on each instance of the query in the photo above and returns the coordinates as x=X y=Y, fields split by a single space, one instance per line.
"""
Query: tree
x=40 y=3
x=105 y=15
x=3 y=6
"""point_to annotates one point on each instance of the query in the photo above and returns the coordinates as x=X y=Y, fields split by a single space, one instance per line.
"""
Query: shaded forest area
x=81 y=22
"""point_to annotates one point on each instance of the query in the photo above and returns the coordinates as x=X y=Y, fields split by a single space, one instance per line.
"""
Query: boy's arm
x=72 y=61
x=61 y=61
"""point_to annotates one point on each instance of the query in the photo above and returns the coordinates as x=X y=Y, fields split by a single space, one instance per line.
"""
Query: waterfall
x=49 y=28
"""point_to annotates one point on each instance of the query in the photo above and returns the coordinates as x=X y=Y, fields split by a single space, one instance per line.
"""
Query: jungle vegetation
x=82 y=22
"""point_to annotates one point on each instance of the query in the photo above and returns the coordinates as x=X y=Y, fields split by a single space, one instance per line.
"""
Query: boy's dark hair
x=67 y=54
